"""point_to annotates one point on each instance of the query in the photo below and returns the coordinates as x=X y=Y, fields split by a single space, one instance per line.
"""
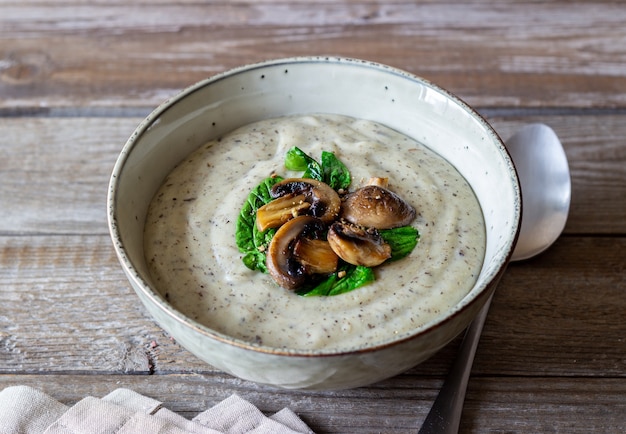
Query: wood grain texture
x=561 y=312
x=553 y=54
x=54 y=172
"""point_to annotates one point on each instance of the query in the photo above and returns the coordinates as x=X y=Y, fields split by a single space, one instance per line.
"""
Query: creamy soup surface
x=195 y=264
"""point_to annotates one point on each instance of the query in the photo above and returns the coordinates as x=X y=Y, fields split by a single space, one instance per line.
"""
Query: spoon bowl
x=544 y=178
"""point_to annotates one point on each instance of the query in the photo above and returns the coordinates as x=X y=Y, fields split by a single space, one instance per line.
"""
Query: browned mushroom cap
x=298 y=196
x=357 y=245
x=291 y=261
x=376 y=207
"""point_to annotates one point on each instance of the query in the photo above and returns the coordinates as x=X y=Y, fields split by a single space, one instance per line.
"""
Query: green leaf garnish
x=296 y=159
x=335 y=173
x=355 y=277
x=402 y=240
x=250 y=241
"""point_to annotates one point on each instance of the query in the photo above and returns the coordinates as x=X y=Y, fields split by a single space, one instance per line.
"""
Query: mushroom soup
x=196 y=265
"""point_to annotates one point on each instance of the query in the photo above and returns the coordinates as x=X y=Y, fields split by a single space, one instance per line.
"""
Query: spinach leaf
x=355 y=277
x=335 y=173
x=250 y=241
x=402 y=240
x=330 y=170
x=297 y=159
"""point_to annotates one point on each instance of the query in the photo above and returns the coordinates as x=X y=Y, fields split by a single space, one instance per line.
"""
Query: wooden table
x=77 y=76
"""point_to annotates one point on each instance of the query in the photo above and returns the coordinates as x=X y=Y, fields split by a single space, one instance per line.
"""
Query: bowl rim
x=159 y=301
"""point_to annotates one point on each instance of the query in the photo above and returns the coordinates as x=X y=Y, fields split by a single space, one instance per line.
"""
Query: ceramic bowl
x=361 y=89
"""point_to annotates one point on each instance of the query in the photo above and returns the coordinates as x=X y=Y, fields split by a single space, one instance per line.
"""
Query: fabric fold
x=26 y=410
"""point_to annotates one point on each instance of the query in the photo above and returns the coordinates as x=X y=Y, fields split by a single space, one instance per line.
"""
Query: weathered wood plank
x=54 y=171
x=66 y=307
x=554 y=54
x=541 y=405
x=398 y=405
x=561 y=311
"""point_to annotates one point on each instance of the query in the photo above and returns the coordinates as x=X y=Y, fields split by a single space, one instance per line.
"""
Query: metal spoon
x=544 y=177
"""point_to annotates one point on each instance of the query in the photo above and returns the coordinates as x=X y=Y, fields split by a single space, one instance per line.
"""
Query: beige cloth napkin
x=25 y=410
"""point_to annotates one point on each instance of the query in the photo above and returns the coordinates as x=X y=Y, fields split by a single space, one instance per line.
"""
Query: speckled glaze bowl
x=356 y=88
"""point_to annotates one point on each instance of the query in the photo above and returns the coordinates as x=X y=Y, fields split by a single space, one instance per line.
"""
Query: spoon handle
x=445 y=414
